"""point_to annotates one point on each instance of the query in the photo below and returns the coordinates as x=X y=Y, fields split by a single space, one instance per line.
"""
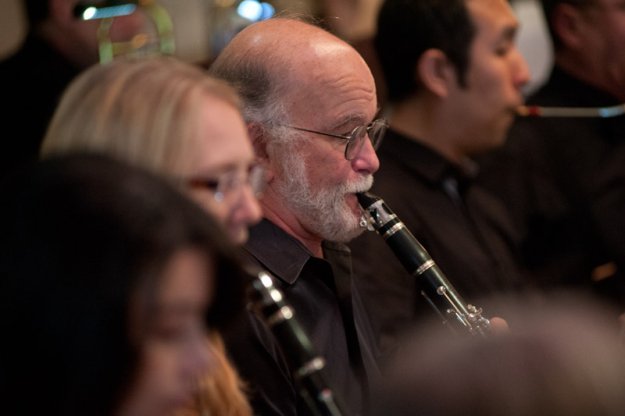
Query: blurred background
x=202 y=27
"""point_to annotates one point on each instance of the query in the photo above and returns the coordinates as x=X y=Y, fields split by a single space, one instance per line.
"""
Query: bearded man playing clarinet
x=310 y=104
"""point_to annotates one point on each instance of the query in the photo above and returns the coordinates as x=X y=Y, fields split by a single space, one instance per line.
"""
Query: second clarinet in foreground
x=269 y=304
x=433 y=284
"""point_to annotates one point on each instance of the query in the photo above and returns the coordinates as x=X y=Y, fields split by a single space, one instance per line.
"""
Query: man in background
x=564 y=178
x=57 y=47
x=453 y=76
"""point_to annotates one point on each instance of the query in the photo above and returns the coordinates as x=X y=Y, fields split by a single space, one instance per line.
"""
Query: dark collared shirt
x=320 y=292
x=465 y=230
x=563 y=179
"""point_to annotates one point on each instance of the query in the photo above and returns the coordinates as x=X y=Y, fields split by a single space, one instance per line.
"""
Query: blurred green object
x=142 y=43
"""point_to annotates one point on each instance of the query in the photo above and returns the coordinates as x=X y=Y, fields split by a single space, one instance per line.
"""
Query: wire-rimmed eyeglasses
x=229 y=184
x=356 y=138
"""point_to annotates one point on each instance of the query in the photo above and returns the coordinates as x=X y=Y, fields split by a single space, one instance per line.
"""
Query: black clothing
x=464 y=229
x=329 y=310
x=563 y=179
x=32 y=81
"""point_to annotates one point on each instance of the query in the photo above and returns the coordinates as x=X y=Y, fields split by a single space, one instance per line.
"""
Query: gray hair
x=254 y=79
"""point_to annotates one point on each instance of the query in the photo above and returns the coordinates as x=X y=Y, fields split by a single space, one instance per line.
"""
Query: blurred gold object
x=161 y=41
x=140 y=42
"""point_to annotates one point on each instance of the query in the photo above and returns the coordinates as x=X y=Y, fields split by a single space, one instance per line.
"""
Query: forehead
x=221 y=140
x=333 y=79
x=612 y=13
x=492 y=18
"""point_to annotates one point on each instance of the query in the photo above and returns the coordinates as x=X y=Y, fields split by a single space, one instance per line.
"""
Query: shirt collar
x=282 y=254
x=424 y=161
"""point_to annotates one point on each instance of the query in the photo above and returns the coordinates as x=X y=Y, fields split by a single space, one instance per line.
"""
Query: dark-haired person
x=109 y=279
x=453 y=89
x=56 y=48
x=563 y=179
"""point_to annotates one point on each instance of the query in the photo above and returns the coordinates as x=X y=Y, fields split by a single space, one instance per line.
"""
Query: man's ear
x=566 y=21
x=435 y=72
x=258 y=136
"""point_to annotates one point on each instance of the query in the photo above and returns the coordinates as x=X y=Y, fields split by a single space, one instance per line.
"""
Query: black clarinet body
x=434 y=286
x=269 y=304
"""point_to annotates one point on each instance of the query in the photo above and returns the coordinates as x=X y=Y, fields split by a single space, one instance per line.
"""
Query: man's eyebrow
x=360 y=118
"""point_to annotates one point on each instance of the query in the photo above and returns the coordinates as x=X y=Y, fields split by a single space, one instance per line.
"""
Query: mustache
x=363 y=184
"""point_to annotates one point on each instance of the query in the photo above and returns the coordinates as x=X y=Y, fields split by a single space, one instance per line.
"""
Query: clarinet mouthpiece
x=366 y=199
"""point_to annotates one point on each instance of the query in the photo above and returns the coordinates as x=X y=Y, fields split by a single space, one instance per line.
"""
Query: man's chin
x=354 y=230
x=238 y=235
x=349 y=235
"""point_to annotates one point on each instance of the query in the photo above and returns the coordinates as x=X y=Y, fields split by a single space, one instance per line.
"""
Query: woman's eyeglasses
x=230 y=183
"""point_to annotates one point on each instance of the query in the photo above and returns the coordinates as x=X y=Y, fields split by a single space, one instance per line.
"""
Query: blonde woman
x=172 y=118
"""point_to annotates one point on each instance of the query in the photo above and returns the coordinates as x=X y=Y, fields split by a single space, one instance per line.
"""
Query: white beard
x=322 y=211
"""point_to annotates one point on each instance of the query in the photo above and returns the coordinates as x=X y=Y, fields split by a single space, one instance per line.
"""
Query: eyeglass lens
x=375 y=131
x=231 y=183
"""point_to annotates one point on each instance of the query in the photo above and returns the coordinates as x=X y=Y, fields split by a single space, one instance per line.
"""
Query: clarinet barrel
x=307 y=367
x=434 y=286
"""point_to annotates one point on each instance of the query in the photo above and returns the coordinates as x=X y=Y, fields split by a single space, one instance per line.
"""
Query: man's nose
x=521 y=72
x=366 y=160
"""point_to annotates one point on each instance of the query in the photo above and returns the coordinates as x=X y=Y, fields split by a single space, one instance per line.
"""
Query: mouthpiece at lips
x=365 y=199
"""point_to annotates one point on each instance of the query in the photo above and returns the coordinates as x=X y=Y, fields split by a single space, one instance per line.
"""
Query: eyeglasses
x=229 y=184
x=356 y=138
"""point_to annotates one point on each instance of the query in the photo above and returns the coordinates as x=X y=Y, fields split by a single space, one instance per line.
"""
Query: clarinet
x=269 y=304
x=435 y=288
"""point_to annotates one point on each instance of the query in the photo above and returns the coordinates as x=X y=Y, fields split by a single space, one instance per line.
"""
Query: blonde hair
x=145 y=111
x=221 y=392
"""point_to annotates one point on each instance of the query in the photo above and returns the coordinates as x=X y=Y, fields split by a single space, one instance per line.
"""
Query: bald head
x=267 y=59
